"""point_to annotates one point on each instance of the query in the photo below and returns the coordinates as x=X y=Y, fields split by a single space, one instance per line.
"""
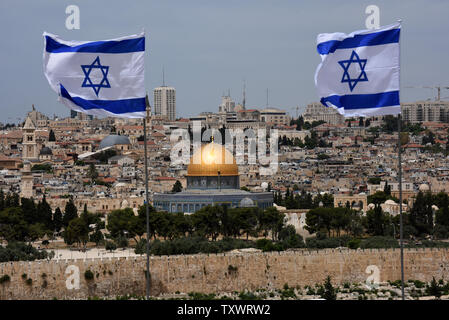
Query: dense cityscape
x=78 y=184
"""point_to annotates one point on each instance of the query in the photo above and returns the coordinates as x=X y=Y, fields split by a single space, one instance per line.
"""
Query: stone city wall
x=65 y=279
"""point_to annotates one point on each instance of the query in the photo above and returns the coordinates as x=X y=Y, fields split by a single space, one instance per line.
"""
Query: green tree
x=96 y=237
x=376 y=221
x=434 y=289
x=177 y=187
x=329 y=291
x=70 y=213
x=35 y=232
x=29 y=210
x=442 y=215
x=421 y=213
x=92 y=172
x=120 y=223
x=2 y=200
x=142 y=221
x=206 y=221
x=57 y=220
x=110 y=246
x=290 y=239
x=13 y=226
x=44 y=214
x=249 y=222
x=51 y=136
x=272 y=221
x=320 y=219
x=387 y=189
x=77 y=232
x=377 y=198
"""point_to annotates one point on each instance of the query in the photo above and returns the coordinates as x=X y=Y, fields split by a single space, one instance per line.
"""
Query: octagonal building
x=212 y=178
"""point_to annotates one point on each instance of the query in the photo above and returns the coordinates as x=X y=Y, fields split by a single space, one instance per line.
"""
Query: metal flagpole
x=147 y=205
x=400 y=177
x=400 y=206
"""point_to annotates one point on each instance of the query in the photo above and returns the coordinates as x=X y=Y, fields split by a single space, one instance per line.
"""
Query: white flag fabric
x=103 y=78
x=359 y=72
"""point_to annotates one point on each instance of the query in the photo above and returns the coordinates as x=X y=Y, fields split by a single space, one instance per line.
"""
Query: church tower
x=26 y=185
x=29 y=151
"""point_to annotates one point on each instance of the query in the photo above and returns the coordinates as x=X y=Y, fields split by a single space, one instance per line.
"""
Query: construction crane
x=438 y=97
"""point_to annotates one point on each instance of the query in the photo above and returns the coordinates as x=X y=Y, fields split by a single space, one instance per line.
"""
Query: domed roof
x=112 y=140
x=246 y=202
x=46 y=151
x=424 y=187
x=212 y=160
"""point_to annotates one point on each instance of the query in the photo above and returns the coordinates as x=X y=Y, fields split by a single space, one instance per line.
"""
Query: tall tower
x=29 y=151
x=227 y=104
x=149 y=114
x=165 y=100
x=26 y=184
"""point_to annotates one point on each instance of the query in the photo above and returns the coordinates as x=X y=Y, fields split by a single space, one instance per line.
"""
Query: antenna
x=267 y=97
x=244 y=94
x=163 y=76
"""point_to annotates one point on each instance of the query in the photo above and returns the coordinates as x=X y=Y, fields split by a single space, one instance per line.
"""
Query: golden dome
x=212 y=160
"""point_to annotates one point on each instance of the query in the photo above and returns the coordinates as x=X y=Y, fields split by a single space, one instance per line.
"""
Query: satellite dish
x=264 y=185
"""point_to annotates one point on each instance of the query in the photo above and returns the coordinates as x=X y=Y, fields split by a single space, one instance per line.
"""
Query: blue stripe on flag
x=360 y=40
x=120 y=46
x=113 y=106
x=363 y=101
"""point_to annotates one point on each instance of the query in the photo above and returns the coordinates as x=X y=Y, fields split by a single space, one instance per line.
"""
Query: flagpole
x=147 y=211
x=400 y=176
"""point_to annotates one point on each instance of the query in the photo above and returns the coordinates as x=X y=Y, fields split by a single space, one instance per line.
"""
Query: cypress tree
x=57 y=220
x=70 y=213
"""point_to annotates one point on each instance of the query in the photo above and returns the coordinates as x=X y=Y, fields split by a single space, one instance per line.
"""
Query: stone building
x=29 y=149
x=317 y=112
x=26 y=185
x=422 y=111
x=274 y=116
x=356 y=201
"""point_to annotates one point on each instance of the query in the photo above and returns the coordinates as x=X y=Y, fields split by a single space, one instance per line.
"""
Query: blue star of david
x=345 y=64
x=104 y=83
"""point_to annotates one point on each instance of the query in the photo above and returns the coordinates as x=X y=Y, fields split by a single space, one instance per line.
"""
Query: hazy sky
x=210 y=46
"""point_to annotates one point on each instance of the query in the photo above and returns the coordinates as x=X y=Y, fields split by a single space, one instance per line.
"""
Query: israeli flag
x=359 y=72
x=103 y=78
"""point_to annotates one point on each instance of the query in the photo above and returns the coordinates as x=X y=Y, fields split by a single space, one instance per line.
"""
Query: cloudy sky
x=210 y=46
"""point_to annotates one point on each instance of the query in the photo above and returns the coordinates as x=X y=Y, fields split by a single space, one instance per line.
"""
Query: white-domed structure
x=246 y=203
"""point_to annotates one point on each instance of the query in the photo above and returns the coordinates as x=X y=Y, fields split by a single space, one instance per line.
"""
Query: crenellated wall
x=215 y=272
